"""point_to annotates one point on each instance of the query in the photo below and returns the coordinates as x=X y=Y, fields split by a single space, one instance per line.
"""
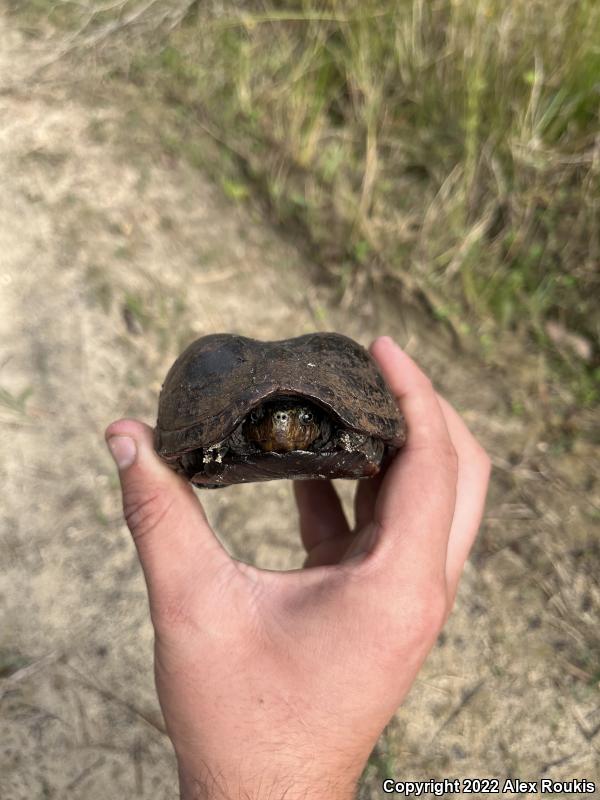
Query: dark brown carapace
x=282 y=426
x=236 y=410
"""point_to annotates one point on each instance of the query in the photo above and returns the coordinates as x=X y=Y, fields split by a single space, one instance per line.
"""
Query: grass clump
x=453 y=144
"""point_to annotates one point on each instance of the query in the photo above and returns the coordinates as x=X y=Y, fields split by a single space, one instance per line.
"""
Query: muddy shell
x=220 y=379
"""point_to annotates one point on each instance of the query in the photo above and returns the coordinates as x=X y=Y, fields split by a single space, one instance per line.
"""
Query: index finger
x=415 y=505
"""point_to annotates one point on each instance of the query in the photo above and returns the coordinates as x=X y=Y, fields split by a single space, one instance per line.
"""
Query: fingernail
x=123 y=449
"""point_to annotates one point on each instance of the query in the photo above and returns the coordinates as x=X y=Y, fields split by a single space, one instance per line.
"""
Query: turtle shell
x=220 y=378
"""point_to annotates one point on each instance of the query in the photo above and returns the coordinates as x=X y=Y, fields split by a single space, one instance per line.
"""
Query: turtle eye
x=255 y=415
x=305 y=416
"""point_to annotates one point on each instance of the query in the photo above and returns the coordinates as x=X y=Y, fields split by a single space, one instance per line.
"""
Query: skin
x=278 y=684
x=282 y=428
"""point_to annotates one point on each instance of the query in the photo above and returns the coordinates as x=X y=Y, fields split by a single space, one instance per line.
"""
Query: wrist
x=203 y=783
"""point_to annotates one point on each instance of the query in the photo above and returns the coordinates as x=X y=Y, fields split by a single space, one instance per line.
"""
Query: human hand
x=278 y=684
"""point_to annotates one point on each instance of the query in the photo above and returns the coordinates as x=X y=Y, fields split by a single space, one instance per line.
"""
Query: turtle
x=233 y=409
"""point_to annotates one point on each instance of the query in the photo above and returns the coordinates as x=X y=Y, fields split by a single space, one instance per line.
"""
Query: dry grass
x=450 y=146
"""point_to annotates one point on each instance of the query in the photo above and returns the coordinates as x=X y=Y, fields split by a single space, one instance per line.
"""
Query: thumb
x=177 y=549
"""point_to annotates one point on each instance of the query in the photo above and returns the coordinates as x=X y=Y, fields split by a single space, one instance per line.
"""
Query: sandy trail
x=111 y=262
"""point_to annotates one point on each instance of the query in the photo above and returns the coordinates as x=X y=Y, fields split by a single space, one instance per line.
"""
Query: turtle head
x=281 y=426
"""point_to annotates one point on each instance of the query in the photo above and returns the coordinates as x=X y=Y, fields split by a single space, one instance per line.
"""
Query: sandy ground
x=112 y=258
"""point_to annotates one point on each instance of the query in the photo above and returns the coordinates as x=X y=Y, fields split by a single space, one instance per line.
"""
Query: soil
x=114 y=254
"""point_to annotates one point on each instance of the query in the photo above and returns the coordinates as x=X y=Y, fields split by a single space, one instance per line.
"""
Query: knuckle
x=412 y=633
x=144 y=511
x=416 y=621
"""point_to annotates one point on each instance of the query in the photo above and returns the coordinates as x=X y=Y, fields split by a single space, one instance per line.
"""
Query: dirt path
x=113 y=257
